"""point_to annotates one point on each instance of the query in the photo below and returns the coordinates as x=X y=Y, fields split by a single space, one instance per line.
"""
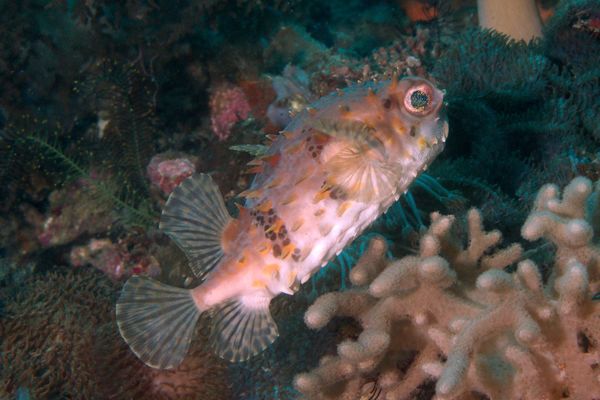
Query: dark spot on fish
x=387 y=103
x=337 y=194
x=413 y=131
x=319 y=147
x=311 y=148
x=286 y=241
x=267 y=227
x=272 y=236
x=296 y=254
x=314 y=155
x=277 y=250
x=271 y=211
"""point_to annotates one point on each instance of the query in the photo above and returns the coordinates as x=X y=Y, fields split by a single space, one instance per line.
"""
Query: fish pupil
x=419 y=99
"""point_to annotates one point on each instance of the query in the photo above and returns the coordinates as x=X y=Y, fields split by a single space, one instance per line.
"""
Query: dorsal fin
x=243 y=327
x=195 y=218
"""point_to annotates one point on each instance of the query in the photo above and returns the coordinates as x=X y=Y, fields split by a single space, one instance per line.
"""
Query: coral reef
x=58 y=339
x=167 y=172
x=228 y=105
x=453 y=314
x=74 y=212
x=106 y=105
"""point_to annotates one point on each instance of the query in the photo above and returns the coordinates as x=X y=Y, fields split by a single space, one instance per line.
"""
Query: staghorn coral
x=454 y=315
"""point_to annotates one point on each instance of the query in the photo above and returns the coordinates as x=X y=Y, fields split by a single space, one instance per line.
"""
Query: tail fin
x=157 y=321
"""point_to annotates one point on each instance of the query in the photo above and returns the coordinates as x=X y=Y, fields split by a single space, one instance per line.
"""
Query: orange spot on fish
x=342 y=208
x=292 y=278
x=270 y=269
x=398 y=126
x=290 y=199
x=265 y=206
x=275 y=227
x=321 y=195
x=320 y=138
x=297 y=224
x=311 y=111
x=264 y=248
x=422 y=143
x=258 y=283
x=287 y=250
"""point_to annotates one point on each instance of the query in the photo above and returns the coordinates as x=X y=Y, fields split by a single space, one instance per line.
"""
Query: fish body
x=335 y=168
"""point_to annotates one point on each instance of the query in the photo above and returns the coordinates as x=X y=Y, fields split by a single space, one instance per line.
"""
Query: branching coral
x=453 y=314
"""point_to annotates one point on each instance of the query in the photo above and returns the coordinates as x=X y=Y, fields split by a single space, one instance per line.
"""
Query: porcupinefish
x=336 y=167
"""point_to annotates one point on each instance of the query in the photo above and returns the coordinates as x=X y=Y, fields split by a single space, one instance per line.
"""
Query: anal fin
x=195 y=217
x=243 y=327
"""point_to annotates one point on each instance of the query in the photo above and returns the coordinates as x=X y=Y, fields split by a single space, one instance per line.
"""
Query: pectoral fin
x=195 y=217
x=362 y=173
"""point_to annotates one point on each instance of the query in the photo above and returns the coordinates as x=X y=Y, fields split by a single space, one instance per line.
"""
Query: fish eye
x=417 y=100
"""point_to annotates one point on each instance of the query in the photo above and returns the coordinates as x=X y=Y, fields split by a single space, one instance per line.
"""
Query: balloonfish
x=336 y=167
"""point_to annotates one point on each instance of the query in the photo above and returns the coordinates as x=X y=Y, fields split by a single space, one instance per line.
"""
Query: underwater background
x=106 y=106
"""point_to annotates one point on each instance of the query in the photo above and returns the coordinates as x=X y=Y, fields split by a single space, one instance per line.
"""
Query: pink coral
x=114 y=259
x=167 y=174
x=228 y=105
